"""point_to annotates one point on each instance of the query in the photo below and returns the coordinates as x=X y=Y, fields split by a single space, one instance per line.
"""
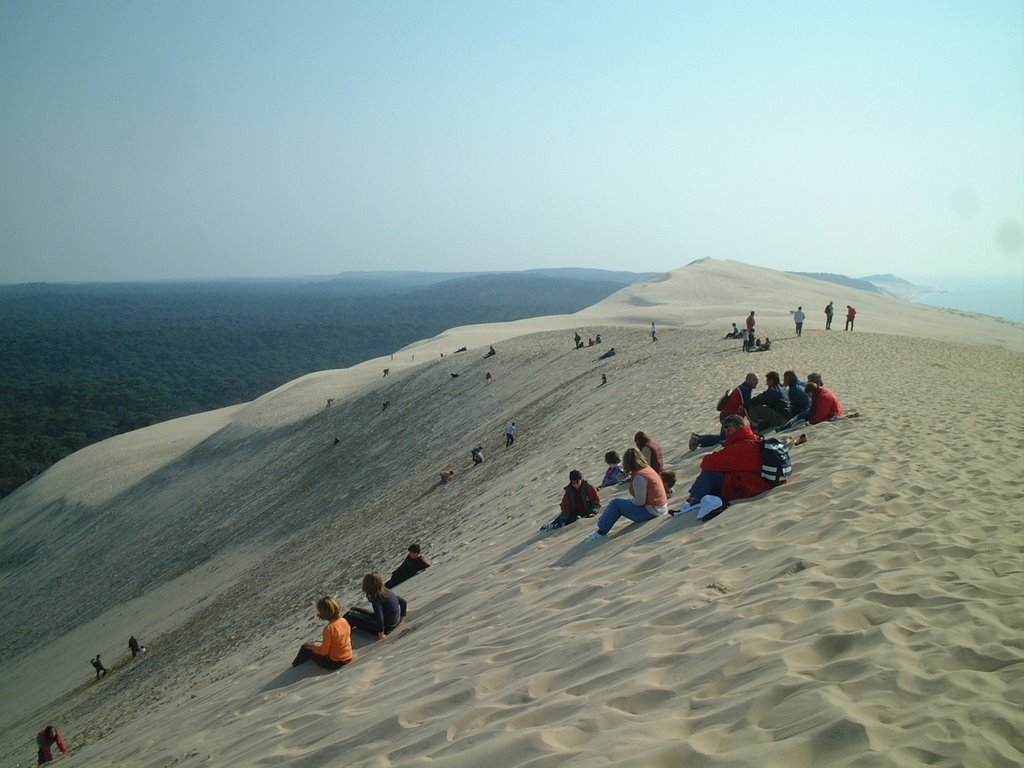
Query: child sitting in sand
x=615 y=474
x=388 y=608
x=335 y=649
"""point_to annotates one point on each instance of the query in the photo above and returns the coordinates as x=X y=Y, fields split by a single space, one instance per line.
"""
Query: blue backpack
x=775 y=464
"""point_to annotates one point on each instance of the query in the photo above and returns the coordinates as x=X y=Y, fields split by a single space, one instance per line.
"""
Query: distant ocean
x=1002 y=298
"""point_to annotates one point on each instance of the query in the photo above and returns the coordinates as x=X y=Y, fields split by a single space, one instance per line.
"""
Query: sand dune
x=868 y=613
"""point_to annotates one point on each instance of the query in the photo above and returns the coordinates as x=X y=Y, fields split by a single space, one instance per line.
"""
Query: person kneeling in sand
x=335 y=649
x=580 y=499
x=734 y=472
x=388 y=608
x=647 y=499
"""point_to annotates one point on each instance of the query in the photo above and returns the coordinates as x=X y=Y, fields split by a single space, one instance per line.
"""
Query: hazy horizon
x=196 y=141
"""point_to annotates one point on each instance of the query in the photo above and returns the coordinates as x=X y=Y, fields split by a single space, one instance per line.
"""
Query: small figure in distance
x=460 y=349
x=580 y=499
x=597 y=339
x=604 y=379
x=609 y=353
x=387 y=372
x=735 y=333
x=414 y=563
x=615 y=474
x=488 y=378
x=134 y=647
x=490 y=353
x=447 y=476
x=829 y=311
x=750 y=321
x=825 y=405
x=771 y=407
x=577 y=339
x=654 y=332
x=590 y=342
x=647 y=497
x=731 y=473
x=851 y=315
x=764 y=347
x=477 y=454
x=384 y=406
x=335 y=648
x=749 y=342
x=798 y=318
x=101 y=671
x=454 y=375
x=388 y=608
x=668 y=479
x=510 y=434
x=45 y=740
x=651 y=451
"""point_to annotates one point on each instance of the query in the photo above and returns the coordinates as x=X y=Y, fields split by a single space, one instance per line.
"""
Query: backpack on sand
x=775 y=463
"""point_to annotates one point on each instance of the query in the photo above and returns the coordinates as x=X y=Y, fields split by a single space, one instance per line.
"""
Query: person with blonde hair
x=647 y=496
x=388 y=608
x=335 y=649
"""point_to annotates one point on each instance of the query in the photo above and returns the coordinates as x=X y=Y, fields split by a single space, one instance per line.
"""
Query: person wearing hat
x=413 y=564
x=580 y=499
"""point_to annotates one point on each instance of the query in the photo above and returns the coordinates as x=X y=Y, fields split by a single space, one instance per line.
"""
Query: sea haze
x=1001 y=297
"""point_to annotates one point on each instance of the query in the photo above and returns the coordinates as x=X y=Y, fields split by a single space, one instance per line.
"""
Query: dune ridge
x=868 y=613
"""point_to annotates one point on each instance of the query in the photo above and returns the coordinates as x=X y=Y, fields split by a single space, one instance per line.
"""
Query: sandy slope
x=869 y=613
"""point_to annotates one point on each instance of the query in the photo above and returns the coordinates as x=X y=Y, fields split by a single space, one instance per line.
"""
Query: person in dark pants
x=134 y=647
x=98 y=666
x=388 y=608
x=45 y=740
x=335 y=649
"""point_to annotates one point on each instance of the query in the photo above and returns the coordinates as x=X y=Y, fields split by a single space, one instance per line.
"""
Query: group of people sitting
x=785 y=403
x=387 y=612
x=734 y=472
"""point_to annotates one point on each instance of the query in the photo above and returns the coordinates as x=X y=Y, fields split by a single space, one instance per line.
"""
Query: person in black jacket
x=413 y=564
x=771 y=407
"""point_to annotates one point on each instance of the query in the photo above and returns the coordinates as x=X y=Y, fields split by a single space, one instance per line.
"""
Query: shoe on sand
x=694 y=441
x=550 y=527
x=687 y=506
x=597 y=536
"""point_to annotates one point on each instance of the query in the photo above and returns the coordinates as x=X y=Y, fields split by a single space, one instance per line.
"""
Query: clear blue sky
x=151 y=140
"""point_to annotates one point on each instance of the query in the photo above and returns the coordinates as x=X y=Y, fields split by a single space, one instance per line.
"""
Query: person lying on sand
x=414 y=563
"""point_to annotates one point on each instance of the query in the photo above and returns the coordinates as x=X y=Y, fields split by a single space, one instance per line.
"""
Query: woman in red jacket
x=731 y=473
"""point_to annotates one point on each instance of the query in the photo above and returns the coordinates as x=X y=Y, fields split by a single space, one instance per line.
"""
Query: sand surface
x=869 y=613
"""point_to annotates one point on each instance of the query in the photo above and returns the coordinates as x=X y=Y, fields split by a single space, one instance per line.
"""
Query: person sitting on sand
x=414 y=563
x=609 y=353
x=735 y=402
x=647 y=498
x=825 y=405
x=490 y=353
x=615 y=474
x=668 y=479
x=335 y=649
x=580 y=499
x=45 y=740
x=446 y=475
x=651 y=451
x=735 y=333
x=477 y=454
x=731 y=473
x=799 y=401
x=388 y=608
x=771 y=407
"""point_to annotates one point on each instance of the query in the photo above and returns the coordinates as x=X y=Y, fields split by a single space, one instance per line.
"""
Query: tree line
x=81 y=363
